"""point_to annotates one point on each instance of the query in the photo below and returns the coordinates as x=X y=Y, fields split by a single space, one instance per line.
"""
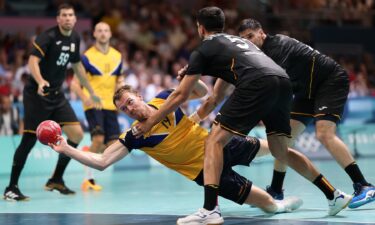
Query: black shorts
x=103 y=122
x=267 y=99
x=54 y=106
x=233 y=186
x=327 y=103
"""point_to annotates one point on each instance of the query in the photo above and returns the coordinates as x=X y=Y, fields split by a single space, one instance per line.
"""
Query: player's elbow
x=201 y=93
x=101 y=167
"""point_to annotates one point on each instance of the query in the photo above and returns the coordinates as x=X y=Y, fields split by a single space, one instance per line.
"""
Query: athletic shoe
x=58 y=186
x=90 y=185
x=13 y=193
x=288 y=204
x=275 y=195
x=362 y=195
x=203 y=217
x=339 y=202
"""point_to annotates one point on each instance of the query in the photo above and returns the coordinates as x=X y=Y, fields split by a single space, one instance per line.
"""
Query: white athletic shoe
x=203 y=217
x=339 y=202
x=289 y=204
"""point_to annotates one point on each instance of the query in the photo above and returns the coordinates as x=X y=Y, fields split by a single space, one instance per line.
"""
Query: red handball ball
x=48 y=131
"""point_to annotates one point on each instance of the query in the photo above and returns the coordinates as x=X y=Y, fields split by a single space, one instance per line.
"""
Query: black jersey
x=303 y=64
x=231 y=58
x=55 y=51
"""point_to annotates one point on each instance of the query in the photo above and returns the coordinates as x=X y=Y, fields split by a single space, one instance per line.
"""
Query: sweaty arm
x=212 y=101
x=111 y=154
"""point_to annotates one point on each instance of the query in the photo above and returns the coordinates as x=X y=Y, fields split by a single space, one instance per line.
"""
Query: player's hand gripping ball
x=48 y=131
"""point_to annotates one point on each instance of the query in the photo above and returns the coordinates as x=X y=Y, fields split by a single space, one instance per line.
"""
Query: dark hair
x=126 y=88
x=249 y=24
x=212 y=18
x=64 y=6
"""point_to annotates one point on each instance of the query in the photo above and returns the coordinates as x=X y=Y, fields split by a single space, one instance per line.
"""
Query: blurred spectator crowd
x=156 y=38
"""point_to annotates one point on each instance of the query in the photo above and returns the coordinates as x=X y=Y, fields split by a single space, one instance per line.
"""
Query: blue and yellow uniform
x=103 y=70
x=178 y=143
x=102 y=73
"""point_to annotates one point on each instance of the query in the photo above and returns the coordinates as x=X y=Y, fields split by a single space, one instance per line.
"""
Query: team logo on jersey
x=72 y=47
x=65 y=48
x=58 y=42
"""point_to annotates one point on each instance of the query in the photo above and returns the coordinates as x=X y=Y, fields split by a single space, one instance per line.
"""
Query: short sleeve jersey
x=102 y=73
x=176 y=141
x=232 y=59
x=55 y=51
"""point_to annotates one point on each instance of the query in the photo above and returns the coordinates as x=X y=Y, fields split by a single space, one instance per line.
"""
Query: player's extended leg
x=261 y=199
x=337 y=200
x=276 y=187
x=56 y=182
x=12 y=192
x=364 y=192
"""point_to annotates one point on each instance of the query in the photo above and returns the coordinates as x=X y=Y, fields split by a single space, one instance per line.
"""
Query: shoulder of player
x=75 y=36
x=89 y=51
x=50 y=33
x=164 y=94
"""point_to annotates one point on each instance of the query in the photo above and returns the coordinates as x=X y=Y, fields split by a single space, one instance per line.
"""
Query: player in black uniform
x=262 y=92
x=43 y=98
x=320 y=87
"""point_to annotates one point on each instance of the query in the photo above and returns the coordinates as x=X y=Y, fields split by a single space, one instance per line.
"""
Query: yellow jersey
x=102 y=72
x=176 y=141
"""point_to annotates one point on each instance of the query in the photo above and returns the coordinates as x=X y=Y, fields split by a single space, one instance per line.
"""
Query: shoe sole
x=14 y=200
x=54 y=189
x=220 y=222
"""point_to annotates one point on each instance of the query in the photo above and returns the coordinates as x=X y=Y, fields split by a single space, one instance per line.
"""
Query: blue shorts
x=103 y=122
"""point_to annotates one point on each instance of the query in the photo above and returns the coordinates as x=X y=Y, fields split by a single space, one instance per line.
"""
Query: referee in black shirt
x=43 y=98
x=320 y=87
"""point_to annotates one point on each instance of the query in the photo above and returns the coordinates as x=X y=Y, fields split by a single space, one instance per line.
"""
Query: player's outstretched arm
x=111 y=154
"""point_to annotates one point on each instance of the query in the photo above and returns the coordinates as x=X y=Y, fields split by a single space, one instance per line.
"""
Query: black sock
x=277 y=181
x=322 y=183
x=355 y=174
x=20 y=156
x=62 y=163
x=210 y=196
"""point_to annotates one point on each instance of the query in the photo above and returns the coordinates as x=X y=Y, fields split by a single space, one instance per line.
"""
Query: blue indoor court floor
x=160 y=196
